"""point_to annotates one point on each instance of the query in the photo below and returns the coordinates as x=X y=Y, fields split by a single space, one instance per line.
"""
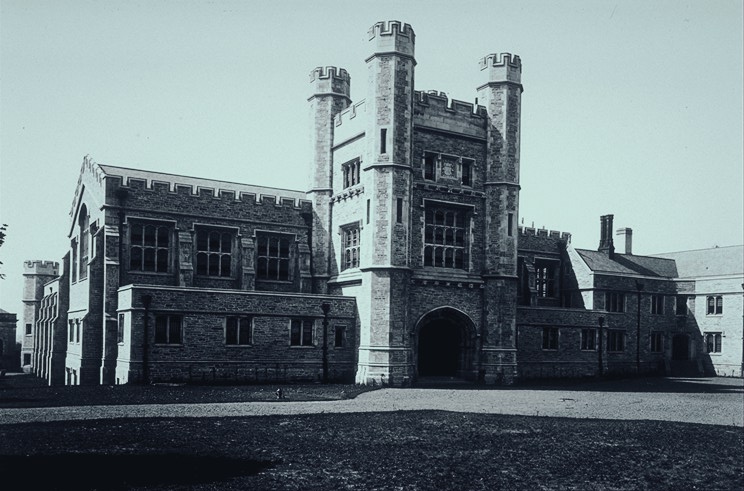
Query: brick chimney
x=625 y=235
x=605 y=238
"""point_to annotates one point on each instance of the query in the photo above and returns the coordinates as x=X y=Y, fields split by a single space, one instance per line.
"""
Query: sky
x=632 y=108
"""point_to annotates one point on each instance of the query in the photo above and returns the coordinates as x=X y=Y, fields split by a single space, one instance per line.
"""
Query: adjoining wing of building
x=403 y=260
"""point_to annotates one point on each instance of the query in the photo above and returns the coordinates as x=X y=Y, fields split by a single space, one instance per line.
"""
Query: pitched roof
x=629 y=264
x=718 y=261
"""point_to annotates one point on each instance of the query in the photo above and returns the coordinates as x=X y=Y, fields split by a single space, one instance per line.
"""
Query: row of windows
x=238 y=331
x=615 y=340
x=150 y=252
x=615 y=302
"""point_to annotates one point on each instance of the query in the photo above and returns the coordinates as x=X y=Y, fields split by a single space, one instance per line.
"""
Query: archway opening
x=445 y=345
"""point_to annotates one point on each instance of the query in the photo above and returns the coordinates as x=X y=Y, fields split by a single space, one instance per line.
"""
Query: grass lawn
x=403 y=450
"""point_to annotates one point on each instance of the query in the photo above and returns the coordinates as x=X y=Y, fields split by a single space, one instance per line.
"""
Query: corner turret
x=392 y=36
x=501 y=67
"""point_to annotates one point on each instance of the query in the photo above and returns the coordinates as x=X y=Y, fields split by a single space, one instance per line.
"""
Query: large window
x=615 y=340
x=149 y=248
x=351 y=173
x=712 y=342
x=715 y=305
x=588 y=339
x=238 y=331
x=545 y=278
x=445 y=237
x=168 y=329
x=350 y=236
x=550 y=338
x=614 y=302
x=213 y=252
x=657 y=304
x=272 y=253
x=301 y=332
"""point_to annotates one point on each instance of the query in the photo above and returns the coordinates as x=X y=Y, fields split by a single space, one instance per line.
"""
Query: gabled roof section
x=600 y=262
x=90 y=179
x=717 y=261
x=195 y=183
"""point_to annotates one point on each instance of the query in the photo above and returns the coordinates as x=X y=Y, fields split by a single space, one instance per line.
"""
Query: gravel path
x=718 y=401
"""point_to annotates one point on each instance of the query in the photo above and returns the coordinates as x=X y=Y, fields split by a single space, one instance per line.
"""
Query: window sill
x=296 y=346
x=285 y=282
x=232 y=346
x=168 y=345
x=148 y=273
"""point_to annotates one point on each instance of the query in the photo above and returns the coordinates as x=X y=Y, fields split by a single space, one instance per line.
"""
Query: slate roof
x=718 y=261
x=600 y=262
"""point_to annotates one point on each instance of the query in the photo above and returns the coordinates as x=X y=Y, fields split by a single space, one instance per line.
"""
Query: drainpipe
x=639 y=288
x=146 y=301
x=601 y=340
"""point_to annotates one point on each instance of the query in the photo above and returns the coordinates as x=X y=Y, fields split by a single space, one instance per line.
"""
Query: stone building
x=9 y=360
x=402 y=260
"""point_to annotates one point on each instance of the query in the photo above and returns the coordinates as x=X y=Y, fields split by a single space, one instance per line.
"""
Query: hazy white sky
x=630 y=107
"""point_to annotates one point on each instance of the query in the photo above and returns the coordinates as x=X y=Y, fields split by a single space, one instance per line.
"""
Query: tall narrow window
x=168 y=329
x=545 y=278
x=238 y=331
x=657 y=342
x=430 y=167
x=383 y=140
x=681 y=305
x=120 y=330
x=272 y=254
x=368 y=210
x=657 y=304
x=339 y=338
x=84 y=222
x=588 y=339
x=71 y=331
x=29 y=329
x=74 y=261
x=399 y=210
x=301 y=332
x=351 y=246
x=510 y=225
x=213 y=252
x=467 y=172
x=351 y=173
x=149 y=248
x=445 y=232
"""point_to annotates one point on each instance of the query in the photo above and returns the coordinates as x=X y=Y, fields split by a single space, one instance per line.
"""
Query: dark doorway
x=445 y=344
x=439 y=349
x=680 y=347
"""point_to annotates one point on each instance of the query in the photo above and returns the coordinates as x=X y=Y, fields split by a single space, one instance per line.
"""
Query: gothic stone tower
x=416 y=203
x=35 y=275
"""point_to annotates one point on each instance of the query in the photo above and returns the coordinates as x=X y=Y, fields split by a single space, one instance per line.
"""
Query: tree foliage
x=3 y=227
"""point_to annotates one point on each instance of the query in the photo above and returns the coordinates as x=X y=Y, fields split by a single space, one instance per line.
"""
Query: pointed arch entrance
x=445 y=344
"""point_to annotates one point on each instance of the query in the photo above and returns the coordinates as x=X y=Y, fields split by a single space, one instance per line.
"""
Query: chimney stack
x=605 y=238
x=626 y=235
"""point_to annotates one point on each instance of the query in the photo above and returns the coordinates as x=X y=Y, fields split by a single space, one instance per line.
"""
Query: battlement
x=542 y=232
x=392 y=28
x=434 y=110
x=349 y=123
x=392 y=36
x=204 y=188
x=330 y=80
x=323 y=72
x=502 y=67
x=38 y=267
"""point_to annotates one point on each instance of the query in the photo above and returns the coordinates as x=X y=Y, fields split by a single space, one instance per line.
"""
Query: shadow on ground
x=112 y=471
x=702 y=385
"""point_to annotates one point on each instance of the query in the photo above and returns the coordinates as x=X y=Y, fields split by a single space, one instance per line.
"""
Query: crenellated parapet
x=542 y=232
x=392 y=37
x=434 y=110
x=330 y=80
x=501 y=67
x=137 y=180
x=38 y=267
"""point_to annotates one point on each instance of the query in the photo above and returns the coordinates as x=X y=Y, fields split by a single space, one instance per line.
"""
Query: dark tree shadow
x=86 y=471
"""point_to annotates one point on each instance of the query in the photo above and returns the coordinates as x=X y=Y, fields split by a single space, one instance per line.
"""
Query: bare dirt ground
x=716 y=401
